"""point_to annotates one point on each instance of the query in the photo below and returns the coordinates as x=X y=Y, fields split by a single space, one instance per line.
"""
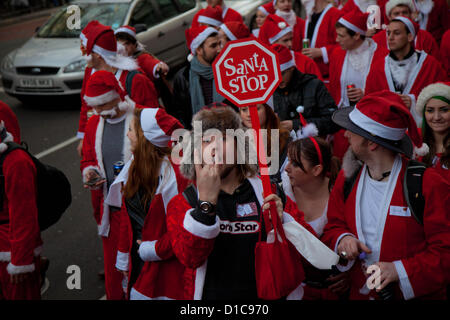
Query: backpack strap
x=412 y=189
x=190 y=194
x=129 y=80
x=11 y=147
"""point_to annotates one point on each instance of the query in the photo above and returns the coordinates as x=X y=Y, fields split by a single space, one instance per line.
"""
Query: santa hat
x=439 y=90
x=235 y=30
x=308 y=129
x=273 y=29
x=383 y=118
x=211 y=16
x=411 y=25
x=158 y=126
x=84 y=34
x=102 y=41
x=267 y=8
x=195 y=36
x=103 y=87
x=285 y=56
x=355 y=20
x=126 y=29
x=217 y=116
x=5 y=136
x=391 y=4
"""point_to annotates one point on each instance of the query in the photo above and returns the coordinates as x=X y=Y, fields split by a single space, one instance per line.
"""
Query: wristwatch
x=206 y=207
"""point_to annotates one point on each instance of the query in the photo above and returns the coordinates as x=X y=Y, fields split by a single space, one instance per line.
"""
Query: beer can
x=117 y=167
x=305 y=43
x=350 y=86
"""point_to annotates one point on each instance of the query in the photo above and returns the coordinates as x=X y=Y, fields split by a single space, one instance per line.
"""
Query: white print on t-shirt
x=239 y=227
x=246 y=210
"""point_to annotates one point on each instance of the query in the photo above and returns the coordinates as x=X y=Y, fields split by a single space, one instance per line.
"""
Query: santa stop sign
x=246 y=72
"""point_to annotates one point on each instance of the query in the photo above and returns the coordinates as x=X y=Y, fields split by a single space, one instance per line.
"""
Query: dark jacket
x=182 y=109
x=307 y=91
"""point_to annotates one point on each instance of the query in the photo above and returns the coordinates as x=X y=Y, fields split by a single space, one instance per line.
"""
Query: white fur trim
x=127 y=104
x=122 y=260
x=324 y=55
x=309 y=131
x=317 y=27
x=422 y=151
x=287 y=65
x=350 y=164
x=126 y=30
x=405 y=284
x=228 y=32
x=147 y=251
x=296 y=294
x=190 y=57
x=200 y=275
x=210 y=21
x=199 y=229
x=13 y=269
x=376 y=128
x=263 y=10
x=80 y=135
x=408 y=24
x=136 y=295
x=351 y=26
x=201 y=38
x=282 y=25
x=3 y=145
x=101 y=99
x=391 y=4
x=430 y=91
x=280 y=34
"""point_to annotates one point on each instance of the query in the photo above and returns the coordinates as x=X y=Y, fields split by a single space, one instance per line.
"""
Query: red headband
x=319 y=153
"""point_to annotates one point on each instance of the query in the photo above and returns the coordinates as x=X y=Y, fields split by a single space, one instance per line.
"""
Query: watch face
x=205 y=206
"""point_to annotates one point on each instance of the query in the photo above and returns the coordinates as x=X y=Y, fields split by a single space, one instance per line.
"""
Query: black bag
x=412 y=188
x=54 y=194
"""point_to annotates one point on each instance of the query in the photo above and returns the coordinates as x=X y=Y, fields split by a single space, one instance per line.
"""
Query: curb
x=29 y=16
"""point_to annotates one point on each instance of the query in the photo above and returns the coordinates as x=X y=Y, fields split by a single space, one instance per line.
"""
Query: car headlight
x=7 y=64
x=77 y=66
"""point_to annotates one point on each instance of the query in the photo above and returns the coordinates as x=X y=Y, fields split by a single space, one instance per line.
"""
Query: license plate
x=36 y=83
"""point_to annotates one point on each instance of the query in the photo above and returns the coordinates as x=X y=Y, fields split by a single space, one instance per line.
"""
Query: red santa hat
x=126 y=29
x=84 y=34
x=267 y=8
x=211 y=16
x=439 y=90
x=411 y=25
x=273 y=29
x=103 y=87
x=391 y=4
x=383 y=118
x=285 y=56
x=195 y=36
x=158 y=126
x=355 y=20
x=102 y=41
x=235 y=30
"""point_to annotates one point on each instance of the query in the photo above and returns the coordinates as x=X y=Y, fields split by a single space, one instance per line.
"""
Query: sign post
x=247 y=73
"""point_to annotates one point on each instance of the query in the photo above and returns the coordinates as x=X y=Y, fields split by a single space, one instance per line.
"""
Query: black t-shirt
x=312 y=24
x=230 y=272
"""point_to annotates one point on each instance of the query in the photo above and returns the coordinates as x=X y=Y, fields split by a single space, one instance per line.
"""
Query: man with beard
x=194 y=84
x=404 y=70
x=423 y=41
x=374 y=217
x=105 y=143
x=214 y=226
x=283 y=9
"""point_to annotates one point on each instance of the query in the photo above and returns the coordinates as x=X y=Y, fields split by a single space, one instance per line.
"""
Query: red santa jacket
x=306 y=65
x=421 y=250
x=297 y=34
x=192 y=242
x=428 y=70
x=10 y=119
x=445 y=52
x=143 y=92
x=324 y=36
x=20 y=240
x=438 y=20
x=161 y=275
x=337 y=63
x=424 y=41
x=148 y=64
x=93 y=159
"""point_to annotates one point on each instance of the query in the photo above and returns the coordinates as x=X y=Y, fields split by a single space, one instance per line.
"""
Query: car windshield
x=110 y=14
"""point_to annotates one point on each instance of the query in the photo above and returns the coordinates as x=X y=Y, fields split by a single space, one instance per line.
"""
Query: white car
x=50 y=63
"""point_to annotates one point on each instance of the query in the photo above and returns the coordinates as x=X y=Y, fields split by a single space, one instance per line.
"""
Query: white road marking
x=57 y=147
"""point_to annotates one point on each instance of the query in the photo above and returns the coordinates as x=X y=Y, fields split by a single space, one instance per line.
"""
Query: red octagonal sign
x=246 y=72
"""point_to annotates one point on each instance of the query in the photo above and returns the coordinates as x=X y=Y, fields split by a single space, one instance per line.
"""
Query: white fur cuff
x=147 y=251
x=122 y=260
x=199 y=229
x=12 y=269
